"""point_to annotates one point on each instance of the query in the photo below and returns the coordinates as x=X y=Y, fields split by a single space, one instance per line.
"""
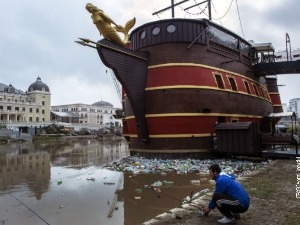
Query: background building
x=294 y=106
x=100 y=114
x=33 y=105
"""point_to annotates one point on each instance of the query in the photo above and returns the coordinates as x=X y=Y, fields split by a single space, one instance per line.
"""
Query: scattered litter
x=92 y=179
x=156 y=184
x=138 y=198
x=59 y=182
x=61 y=206
x=157 y=190
x=178 y=216
x=187 y=199
x=196 y=182
x=109 y=183
x=168 y=183
x=138 y=190
x=138 y=165
x=201 y=212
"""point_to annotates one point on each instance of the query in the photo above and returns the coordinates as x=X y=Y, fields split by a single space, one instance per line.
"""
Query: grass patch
x=261 y=187
x=292 y=219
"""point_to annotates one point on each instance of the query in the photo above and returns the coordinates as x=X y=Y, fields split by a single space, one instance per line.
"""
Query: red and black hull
x=185 y=83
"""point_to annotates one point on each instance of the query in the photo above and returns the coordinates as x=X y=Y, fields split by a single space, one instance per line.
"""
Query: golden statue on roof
x=107 y=27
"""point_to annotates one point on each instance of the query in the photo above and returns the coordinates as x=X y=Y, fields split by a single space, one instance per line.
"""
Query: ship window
x=171 y=28
x=255 y=89
x=247 y=87
x=143 y=34
x=232 y=83
x=234 y=119
x=266 y=95
x=219 y=81
x=261 y=92
x=155 y=30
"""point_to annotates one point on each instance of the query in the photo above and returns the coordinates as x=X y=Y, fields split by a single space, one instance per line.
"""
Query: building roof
x=103 y=103
x=282 y=114
x=10 y=89
x=64 y=114
x=38 y=85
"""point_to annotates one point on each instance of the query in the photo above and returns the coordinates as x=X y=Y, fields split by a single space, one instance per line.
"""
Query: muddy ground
x=273 y=199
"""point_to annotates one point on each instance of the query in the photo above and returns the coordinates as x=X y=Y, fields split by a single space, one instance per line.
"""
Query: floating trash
x=59 y=182
x=109 y=183
x=195 y=182
x=156 y=184
x=92 y=179
x=138 y=190
x=168 y=183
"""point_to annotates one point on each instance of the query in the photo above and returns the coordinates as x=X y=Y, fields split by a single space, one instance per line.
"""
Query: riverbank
x=272 y=190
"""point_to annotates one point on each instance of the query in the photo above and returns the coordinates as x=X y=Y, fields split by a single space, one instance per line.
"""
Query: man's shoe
x=225 y=220
x=236 y=216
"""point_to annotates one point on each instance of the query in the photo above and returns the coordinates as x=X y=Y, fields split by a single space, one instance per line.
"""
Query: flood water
x=64 y=182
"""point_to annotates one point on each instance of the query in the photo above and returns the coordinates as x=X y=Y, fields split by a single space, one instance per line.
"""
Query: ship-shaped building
x=183 y=78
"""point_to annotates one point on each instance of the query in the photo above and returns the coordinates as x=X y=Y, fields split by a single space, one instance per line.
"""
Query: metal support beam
x=170 y=7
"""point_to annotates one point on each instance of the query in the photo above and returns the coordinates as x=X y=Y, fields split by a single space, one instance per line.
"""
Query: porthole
x=155 y=30
x=171 y=28
x=143 y=34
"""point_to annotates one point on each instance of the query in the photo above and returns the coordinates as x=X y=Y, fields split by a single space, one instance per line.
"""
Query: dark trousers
x=227 y=205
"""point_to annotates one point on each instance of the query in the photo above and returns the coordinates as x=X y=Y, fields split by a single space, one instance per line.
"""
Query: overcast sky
x=37 y=39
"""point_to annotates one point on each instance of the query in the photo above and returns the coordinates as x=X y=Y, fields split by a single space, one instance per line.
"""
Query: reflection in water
x=63 y=182
x=21 y=165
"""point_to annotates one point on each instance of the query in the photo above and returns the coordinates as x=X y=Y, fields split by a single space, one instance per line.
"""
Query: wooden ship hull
x=180 y=78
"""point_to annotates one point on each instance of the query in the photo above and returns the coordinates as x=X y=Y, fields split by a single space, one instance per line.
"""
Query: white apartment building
x=33 y=105
x=294 y=106
x=100 y=113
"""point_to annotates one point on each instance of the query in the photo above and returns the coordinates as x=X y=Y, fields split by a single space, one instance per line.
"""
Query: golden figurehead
x=107 y=27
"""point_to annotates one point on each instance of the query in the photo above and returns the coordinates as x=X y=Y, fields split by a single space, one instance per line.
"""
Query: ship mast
x=173 y=7
x=170 y=7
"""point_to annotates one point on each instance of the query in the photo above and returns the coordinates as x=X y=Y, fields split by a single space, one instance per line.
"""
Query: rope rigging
x=240 y=18
x=202 y=10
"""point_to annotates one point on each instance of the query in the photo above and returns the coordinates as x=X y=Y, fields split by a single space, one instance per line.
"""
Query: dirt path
x=273 y=199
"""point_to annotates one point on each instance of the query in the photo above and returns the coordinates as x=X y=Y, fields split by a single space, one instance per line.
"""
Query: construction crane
x=117 y=85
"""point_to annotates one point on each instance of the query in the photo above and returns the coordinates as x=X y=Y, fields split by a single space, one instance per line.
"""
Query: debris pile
x=138 y=165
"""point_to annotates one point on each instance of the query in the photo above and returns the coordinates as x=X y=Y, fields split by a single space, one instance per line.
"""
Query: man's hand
x=206 y=210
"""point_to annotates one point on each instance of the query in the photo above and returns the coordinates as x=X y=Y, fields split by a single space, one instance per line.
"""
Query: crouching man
x=229 y=196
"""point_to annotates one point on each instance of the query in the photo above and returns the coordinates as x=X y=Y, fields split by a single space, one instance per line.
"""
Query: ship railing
x=280 y=139
x=246 y=59
x=222 y=48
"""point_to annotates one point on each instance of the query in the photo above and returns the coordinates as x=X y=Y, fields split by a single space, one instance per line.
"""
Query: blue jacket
x=226 y=184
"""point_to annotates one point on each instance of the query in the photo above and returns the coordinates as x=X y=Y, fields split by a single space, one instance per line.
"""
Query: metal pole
x=172 y=4
x=170 y=7
x=209 y=9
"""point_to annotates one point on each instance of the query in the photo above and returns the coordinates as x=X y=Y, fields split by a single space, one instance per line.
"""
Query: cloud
x=37 y=39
